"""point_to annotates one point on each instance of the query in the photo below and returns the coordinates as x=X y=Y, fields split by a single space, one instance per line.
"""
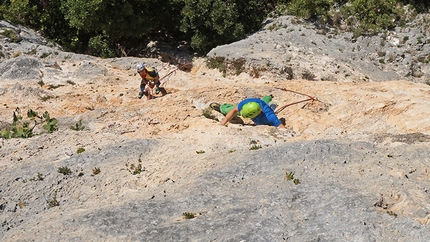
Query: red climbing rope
x=173 y=71
x=310 y=98
x=168 y=74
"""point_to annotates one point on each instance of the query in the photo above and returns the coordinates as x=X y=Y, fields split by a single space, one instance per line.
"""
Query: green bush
x=372 y=16
x=215 y=22
x=101 y=46
x=13 y=37
x=310 y=8
x=64 y=170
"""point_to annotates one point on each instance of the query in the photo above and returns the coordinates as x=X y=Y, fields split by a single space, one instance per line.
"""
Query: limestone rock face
x=290 y=48
x=351 y=165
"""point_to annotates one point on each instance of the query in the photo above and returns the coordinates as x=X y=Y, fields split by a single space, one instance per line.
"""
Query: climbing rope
x=173 y=71
x=310 y=98
x=168 y=74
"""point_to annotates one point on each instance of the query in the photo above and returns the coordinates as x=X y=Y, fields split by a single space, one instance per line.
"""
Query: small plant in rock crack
x=391 y=213
x=46 y=98
x=11 y=35
x=44 y=55
x=289 y=176
x=39 y=177
x=255 y=147
x=78 y=126
x=296 y=181
x=136 y=169
x=80 y=150
x=200 y=152
x=64 y=170
x=189 y=215
x=96 y=170
x=52 y=202
x=21 y=204
x=52 y=87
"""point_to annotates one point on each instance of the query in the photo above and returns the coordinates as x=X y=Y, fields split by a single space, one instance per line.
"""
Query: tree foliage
x=372 y=16
x=310 y=8
x=215 y=22
x=104 y=27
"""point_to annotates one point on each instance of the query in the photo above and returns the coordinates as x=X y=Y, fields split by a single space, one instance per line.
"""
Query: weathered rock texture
x=358 y=157
x=288 y=48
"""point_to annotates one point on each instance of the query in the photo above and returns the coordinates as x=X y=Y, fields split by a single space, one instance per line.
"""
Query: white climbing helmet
x=140 y=67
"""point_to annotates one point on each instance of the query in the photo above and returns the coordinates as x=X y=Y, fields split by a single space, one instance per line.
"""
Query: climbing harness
x=310 y=98
x=150 y=89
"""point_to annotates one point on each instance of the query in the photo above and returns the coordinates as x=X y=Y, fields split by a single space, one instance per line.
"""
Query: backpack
x=152 y=72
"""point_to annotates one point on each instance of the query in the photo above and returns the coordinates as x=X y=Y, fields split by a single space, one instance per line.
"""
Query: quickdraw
x=310 y=98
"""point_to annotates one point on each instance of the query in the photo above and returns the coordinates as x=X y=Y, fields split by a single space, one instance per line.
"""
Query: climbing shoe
x=140 y=95
x=157 y=90
x=215 y=106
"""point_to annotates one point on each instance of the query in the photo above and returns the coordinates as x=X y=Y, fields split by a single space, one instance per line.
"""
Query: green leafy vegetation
x=44 y=55
x=22 y=128
x=135 y=169
x=217 y=63
x=80 y=150
x=217 y=21
x=108 y=28
x=11 y=34
x=52 y=87
x=255 y=147
x=64 y=170
x=391 y=213
x=189 y=215
x=46 y=98
x=52 y=201
x=310 y=8
x=39 y=177
x=289 y=176
x=78 y=126
x=96 y=170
